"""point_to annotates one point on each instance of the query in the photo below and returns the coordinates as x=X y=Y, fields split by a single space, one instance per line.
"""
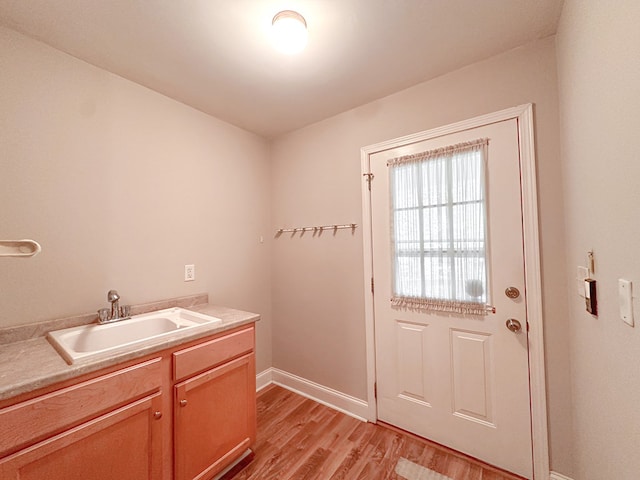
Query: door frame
x=533 y=284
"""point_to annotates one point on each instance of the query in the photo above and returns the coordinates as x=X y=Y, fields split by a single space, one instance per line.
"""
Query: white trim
x=537 y=381
x=264 y=379
x=372 y=413
x=342 y=402
x=533 y=285
x=558 y=476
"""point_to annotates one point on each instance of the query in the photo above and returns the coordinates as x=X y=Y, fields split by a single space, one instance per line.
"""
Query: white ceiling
x=215 y=55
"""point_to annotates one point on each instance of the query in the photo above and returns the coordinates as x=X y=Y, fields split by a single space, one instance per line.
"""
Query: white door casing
x=462 y=340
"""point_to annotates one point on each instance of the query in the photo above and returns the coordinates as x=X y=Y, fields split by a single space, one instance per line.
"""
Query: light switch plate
x=581 y=275
x=625 y=299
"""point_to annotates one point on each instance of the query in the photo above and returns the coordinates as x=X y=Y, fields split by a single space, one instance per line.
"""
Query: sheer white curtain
x=439 y=239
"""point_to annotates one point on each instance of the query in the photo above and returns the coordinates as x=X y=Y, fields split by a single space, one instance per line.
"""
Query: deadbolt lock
x=512 y=292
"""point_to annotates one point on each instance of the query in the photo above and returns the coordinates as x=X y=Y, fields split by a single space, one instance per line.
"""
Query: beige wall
x=318 y=327
x=123 y=187
x=599 y=81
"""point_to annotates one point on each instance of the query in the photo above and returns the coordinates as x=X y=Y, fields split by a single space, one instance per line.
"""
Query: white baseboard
x=264 y=379
x=558 y=476
x=342 y=402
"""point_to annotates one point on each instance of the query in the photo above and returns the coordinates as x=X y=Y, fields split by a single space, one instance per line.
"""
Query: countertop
x=27 y=365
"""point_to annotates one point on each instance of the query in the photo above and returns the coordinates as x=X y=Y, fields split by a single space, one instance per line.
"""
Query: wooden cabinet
x=187 y=412
x=123 y=444
x=214 y=411
x=88 y=430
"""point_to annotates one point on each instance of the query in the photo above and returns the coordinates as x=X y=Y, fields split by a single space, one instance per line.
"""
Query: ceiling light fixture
x=289 y=31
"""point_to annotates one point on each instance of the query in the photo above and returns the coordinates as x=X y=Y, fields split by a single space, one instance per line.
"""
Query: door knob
x=514 y=325
x=157 y=415
x=183 y=402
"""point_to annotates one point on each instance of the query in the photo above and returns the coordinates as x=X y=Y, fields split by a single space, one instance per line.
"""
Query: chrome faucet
x=117 y=312
x=114 y=299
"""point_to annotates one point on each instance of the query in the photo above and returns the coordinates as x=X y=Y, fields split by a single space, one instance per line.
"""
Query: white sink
x=91 y=341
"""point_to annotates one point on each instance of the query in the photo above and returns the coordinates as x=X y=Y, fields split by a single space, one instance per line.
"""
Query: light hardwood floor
x=299 y=439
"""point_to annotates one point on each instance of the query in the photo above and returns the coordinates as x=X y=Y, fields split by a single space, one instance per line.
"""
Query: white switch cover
x=189 y=273
x=582 y=274
x=625 y=298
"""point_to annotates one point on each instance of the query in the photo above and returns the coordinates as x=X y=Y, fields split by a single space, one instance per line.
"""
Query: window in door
x=439 y=237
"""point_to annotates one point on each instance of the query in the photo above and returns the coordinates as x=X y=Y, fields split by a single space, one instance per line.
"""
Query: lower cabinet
x=125 y=444
x=214 y=418
x=118 y=425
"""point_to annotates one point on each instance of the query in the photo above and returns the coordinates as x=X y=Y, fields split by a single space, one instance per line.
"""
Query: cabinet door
x=125 y=444
x=215 y=418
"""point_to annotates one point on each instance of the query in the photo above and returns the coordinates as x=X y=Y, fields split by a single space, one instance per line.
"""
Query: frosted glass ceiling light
x=289 y=31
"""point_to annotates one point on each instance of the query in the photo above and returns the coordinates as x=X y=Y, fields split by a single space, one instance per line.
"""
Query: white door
x=459 y=379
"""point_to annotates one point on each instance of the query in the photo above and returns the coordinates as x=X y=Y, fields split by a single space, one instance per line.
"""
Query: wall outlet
x=189 y=273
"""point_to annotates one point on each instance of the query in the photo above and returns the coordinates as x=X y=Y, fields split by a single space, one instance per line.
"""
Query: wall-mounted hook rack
x=317 y=229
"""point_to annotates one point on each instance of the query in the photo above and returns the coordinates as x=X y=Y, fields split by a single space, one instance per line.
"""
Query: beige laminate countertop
x=28 y=365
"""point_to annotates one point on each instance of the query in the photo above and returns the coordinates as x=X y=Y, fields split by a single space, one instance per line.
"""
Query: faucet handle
x=103 y=315
x=125 y=311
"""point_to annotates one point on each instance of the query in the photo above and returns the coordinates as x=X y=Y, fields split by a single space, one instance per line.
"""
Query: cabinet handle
x=157 y=415
x=183 y=402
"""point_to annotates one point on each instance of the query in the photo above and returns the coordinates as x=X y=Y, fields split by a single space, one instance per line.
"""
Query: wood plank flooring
x=299 y=439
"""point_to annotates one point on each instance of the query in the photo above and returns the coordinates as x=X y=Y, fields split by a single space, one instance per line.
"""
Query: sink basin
x=91 y=341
